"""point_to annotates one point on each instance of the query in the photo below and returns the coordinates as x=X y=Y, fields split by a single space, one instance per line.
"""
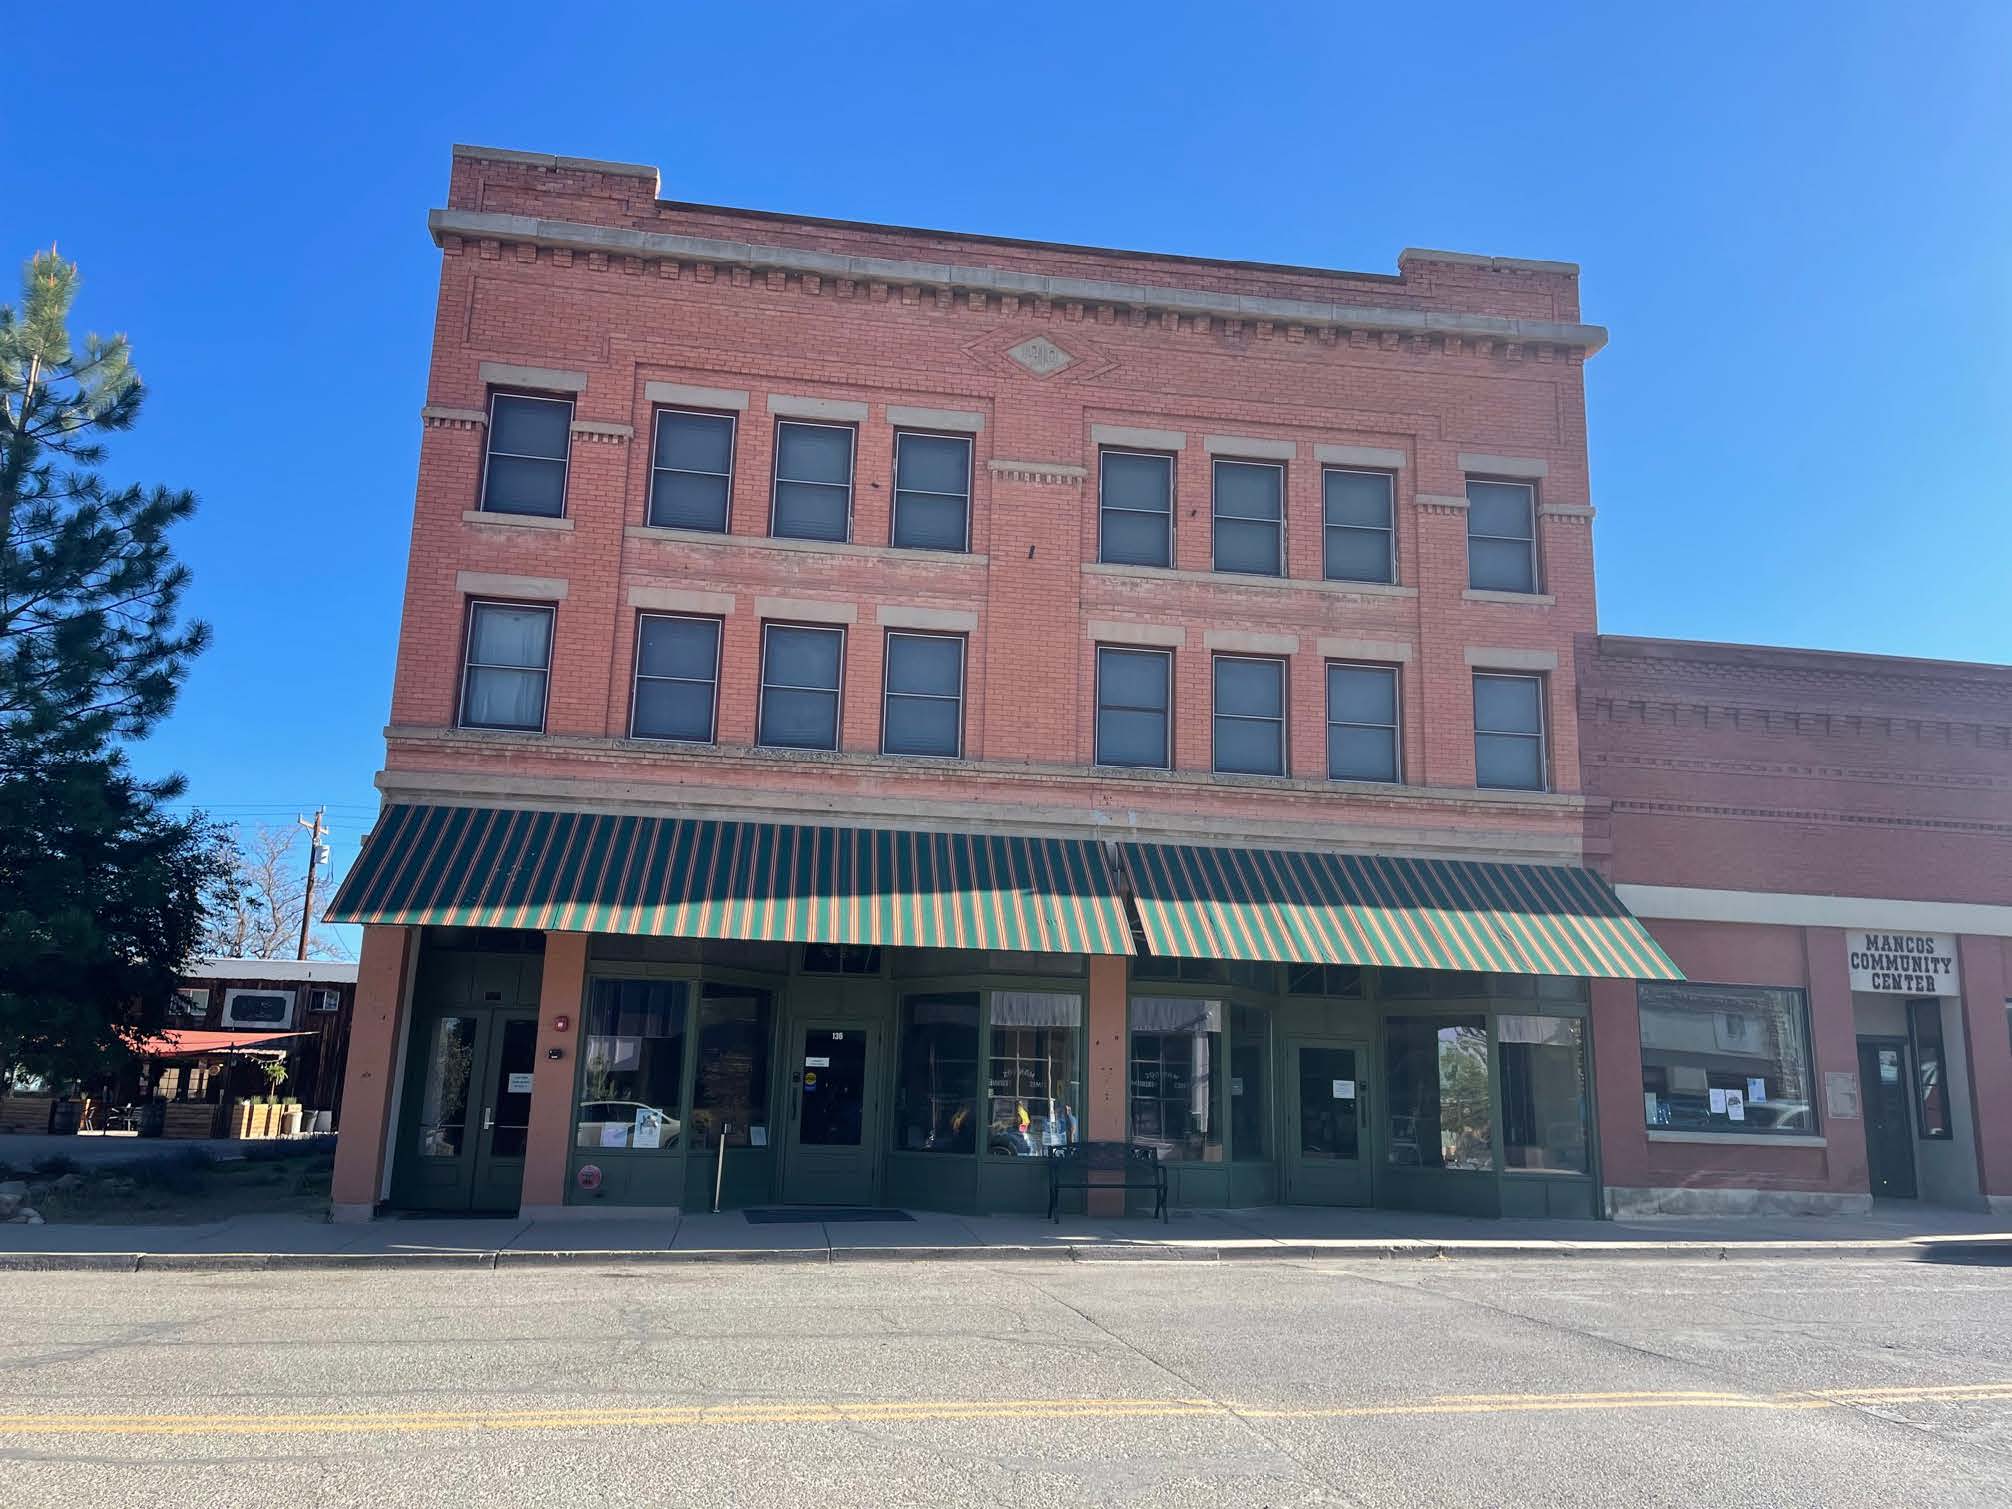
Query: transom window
x=529 y=442
x=1501 y=536
x=508 y=665
x=1249 y=716
x=932 y=491
x=1250 y=518
x=1509 y=732
x=677 y=677
x=813 y=481
x=1135 y=501
x=1357 y=537
x=692 y=470
x=800 y=669
x=1362 y=737
x=924 y=699
x=1134 y=693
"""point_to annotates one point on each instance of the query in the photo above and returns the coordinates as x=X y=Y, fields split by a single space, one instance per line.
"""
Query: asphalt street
x=1012 y=1385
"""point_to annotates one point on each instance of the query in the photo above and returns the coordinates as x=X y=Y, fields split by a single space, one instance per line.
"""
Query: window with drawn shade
x=932 y=492
x=730 y=1082
x=632 y=1066
x=530 y=440
x=509 y=662
x=1502 y=536
x=1725 y=1058
x=936 y=1093
x=800 y=669
x=1035 y=1084
x=1357 y=543
x=1135 y=508
x=691 y=470
x=813 y=482
x=1176 y=1044
x=677 y=677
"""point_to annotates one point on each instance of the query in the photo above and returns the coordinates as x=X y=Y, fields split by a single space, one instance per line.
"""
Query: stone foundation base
x=1998 y=1205
x=1622 y=1203
x=350 y=1215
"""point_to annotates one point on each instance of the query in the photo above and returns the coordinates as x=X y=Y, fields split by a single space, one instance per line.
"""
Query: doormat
x=788 y=1216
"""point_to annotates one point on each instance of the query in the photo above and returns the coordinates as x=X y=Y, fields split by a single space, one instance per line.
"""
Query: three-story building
x=900 y=702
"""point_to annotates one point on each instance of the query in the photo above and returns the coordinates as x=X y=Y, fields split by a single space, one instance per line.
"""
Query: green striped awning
x=695 y=878
x=1287 y=906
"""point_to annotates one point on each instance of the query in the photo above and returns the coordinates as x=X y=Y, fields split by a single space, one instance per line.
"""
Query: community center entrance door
x=467 y=1110
x=832 y=1135
x=1889 y=1130
x=1327 y=1122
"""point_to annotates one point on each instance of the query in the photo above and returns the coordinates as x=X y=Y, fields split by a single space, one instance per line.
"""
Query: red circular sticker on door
x=589 y=1176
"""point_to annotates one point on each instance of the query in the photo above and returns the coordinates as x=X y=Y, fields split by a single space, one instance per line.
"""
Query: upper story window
x=932 y=491
x=529 y=442
x=1509 y=732
x=692 y=470
x=1249 y=716
x=508 y=666
x=1250 y=517
x=1358 y=537
x=677 y=678
x=813 y=481
x=1501 y=536
x=1134 y=707
x=1362 y=728
x=800 y=672
x=1135 y=507
x=923 y=711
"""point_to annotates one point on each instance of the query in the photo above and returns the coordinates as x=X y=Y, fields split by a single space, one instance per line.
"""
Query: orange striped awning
x=1295 y=907
x=698 y=878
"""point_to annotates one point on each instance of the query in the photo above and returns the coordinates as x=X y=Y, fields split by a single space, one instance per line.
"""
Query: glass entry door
x=831 y=1156
x=1327 y=1122
x=466 y=1112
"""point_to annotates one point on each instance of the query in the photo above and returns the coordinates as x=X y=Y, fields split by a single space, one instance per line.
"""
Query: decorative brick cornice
x=596 y=431
x=1440 y=503
x=980 y=289
x=1040 y=473
x=1601 y=705
x=1824 y=817
x=435 y=417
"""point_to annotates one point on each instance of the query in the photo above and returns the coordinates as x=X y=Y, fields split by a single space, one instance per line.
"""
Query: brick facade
x=536 y=294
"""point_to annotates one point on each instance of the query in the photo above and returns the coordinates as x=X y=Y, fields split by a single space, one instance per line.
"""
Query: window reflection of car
x=1780 y=1115
x=1013 y=1142
x=596 y=1116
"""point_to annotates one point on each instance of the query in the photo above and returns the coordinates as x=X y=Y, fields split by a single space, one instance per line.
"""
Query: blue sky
x=1796 y=220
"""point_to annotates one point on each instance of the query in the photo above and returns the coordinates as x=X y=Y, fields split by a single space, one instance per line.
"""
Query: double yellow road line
x=929 y=1411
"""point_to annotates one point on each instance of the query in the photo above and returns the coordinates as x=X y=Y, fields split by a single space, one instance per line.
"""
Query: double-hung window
x=924 y=700
x=932 y=491
x=1501 y=536
x=1135 y=506
x=1509 y=732
x=813 y=481
x=508 y=664
x=1357 y=535
x=1250 y=517
x=677 y=677
x=1134 y=701
x=529 y=442
x=800 y=670
x=1362 y=736
x=692 y=470
x=1249 y=716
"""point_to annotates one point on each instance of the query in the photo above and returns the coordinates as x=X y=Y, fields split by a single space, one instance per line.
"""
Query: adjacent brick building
x=863 y=687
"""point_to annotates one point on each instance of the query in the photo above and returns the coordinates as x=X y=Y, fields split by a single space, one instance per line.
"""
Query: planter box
x=25 y=1113
x=238 y=1123
x=189 y=1119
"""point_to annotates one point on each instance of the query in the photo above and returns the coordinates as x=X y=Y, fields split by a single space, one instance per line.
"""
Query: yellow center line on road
x=911 y=1411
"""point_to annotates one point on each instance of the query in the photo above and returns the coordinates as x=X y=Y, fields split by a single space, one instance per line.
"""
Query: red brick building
x=902 y=703
x=1823 y=843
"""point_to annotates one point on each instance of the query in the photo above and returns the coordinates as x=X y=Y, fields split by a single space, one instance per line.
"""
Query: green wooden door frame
x=455 y=1166
x=851 y=1174
x=1315 y=1180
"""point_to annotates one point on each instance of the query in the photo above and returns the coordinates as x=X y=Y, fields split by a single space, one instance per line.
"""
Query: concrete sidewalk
x=1905 y=1232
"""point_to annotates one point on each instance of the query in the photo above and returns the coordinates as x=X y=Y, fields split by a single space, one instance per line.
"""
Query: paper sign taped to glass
x=649 y=1129
x=1344 y=1089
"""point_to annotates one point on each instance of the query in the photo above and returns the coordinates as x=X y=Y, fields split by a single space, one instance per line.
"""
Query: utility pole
x=314 y=852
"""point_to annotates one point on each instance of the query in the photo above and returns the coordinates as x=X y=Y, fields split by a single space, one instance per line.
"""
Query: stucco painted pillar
x=561 y=992
x=1987 y=986
x=383 y=980
x=1833 y=1030
x=1104 y=1118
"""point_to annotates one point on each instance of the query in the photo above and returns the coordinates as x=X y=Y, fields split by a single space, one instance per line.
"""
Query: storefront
x=1127 y=992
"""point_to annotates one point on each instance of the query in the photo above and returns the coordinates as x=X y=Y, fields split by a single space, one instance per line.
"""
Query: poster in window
x=649 y=1129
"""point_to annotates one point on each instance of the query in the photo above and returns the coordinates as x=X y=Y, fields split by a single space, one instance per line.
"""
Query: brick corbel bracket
x=434 y=417
x=1040 y=473
x=599 y=432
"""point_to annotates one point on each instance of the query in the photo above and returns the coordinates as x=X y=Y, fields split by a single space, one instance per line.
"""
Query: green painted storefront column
x=1104 y=1089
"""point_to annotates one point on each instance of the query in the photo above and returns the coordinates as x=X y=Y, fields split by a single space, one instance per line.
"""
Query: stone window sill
x=1527 y=599
x=514 y=520
x=1739 y=1139
x=1240 y=579
x=816 y=547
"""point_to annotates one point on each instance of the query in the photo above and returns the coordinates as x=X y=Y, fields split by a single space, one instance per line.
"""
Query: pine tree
x=103 y=894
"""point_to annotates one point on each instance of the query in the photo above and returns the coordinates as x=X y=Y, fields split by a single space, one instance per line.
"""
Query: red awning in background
x=190 y=1044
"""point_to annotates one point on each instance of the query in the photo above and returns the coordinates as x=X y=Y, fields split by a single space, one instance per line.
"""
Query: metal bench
x=1105 y=1165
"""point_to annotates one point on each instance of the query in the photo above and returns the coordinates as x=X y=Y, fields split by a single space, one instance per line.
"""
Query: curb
x=1997 y=1253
